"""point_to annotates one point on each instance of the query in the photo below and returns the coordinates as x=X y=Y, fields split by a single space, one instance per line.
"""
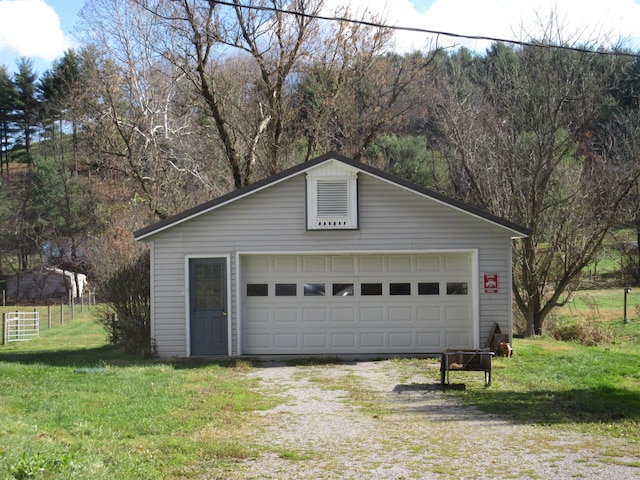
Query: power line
x=424 y=30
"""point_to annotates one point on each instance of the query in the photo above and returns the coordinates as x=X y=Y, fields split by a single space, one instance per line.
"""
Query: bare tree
x=142 y=118
x=357 y=87
x=203 y=38
x=236 y=67
x=620 y=136
x=518 y=130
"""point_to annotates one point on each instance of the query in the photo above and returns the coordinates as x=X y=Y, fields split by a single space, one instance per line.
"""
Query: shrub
x=583 y=332
x=128 y=317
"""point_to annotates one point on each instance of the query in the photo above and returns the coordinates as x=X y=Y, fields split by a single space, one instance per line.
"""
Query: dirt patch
x=391 y=420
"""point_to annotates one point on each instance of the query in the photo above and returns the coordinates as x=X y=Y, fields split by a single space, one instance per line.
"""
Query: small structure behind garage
x=45 y=283
x=331 y=257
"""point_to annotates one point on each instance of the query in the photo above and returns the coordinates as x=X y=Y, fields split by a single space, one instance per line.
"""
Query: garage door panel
x=458 y=315
x=428 y=263
x=257 y=341
x=258 y=315
x=457 y=339
x=400 y=314
x=425 y=319
x=372 y=314
x=314 y=340
x=343 y=315
x=286 y=340
x=314 y=264
x=400 y=263
x=372 y=340
x=457 y=263
x=371 y=264
x=343 y=341
x=285 y=264
x=257 y=263
x=314 y=315
x=429 y=340
x=342 y=264
x=285 y=315
x=401 y=340
x=430 y=315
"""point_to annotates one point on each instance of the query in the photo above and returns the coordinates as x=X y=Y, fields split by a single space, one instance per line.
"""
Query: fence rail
x=19 y=326
x=48 y=316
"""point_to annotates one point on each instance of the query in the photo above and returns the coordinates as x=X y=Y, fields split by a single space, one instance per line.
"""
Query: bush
x=583 y=332
x=128 y=317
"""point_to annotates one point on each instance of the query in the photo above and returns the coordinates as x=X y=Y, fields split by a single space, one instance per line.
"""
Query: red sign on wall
x=490 y=283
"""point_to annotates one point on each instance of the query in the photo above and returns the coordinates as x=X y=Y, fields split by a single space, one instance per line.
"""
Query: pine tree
x=26 y=104
x=7 y=101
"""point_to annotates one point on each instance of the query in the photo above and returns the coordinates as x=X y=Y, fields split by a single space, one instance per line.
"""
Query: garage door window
x=371 y=289
x=457 y=288
x=257 y=290
x=399 y=289
x=314 y=289
x=286 y=290
x=430 y=288
x=342 y=289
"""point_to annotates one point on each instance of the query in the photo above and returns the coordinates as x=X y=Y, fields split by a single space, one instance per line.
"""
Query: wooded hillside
x=171 y=103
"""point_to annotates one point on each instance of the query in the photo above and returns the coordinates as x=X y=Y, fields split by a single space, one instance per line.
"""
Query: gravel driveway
x=390 y=420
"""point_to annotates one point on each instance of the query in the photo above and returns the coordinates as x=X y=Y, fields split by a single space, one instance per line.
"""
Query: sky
x=43 y=29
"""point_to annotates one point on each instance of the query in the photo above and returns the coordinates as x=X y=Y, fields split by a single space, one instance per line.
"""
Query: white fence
x=19 y=326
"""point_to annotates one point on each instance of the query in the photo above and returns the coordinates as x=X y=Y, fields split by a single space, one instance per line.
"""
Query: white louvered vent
x=332 y=198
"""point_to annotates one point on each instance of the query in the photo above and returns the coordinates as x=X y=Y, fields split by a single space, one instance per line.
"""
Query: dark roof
x=242 y=192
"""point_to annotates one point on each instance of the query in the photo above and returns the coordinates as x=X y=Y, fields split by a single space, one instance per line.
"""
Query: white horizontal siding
x=273 y=220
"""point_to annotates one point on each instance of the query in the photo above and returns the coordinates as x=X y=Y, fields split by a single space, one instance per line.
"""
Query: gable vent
x=333 y=198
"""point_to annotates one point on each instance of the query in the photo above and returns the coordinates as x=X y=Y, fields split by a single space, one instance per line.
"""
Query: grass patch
x=592 y=389
x=369 y=402
x=598 y=306
x=73 y=407
x=296 y=455
x=589 y=384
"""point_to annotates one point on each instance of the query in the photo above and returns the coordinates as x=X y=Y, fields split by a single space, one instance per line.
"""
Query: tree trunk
x=636 y=273
x=538 y=322
x=535 y=323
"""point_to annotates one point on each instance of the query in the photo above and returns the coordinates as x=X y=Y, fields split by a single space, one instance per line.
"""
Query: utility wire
x=424 y=30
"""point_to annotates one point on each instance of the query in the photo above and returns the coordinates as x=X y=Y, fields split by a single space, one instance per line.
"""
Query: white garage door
x=344 y=304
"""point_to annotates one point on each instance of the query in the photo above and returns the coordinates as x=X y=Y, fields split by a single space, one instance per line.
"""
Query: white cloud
x=31 y=28
x=604 y=22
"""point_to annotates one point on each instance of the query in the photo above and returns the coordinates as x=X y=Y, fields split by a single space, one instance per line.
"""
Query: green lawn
x=73 y=407
x=600 y=305
x=595 y=389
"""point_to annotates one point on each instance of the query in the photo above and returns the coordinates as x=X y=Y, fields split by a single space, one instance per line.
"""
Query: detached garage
x=331 y=257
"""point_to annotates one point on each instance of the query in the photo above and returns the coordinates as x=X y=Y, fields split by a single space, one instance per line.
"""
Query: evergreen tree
x=26 y=104
x=60 y=88
x=7 y=101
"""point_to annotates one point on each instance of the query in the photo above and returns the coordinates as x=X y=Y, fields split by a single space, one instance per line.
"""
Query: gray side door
x=208 y=299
